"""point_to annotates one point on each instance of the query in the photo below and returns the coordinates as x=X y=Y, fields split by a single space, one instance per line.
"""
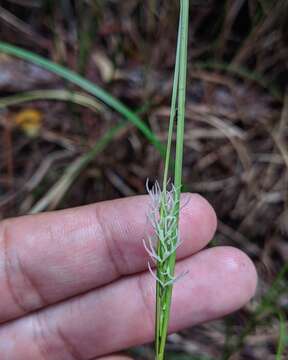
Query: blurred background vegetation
x=61 y=146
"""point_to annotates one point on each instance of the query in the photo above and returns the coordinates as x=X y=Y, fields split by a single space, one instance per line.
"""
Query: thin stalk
x=172 y=111
x=165 y=267
x=165 y=177
x=181 y=97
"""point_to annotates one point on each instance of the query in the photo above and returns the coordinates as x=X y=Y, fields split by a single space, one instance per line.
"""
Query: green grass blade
x=167 y=266
x=168 y=160
x=167 y=167
x=181 y=96
x=86 y=85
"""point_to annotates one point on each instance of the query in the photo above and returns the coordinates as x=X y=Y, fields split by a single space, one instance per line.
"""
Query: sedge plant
x=165 y=201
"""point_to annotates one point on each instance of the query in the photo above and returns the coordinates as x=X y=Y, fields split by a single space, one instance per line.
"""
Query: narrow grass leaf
x=86 y=85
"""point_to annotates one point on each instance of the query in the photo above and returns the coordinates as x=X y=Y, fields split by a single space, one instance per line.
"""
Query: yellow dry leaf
x=104 y=65
x=29 y=120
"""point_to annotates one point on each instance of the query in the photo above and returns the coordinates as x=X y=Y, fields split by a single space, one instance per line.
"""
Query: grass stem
x=170 y=200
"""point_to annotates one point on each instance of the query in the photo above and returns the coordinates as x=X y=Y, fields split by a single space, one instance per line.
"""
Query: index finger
x=48 y=257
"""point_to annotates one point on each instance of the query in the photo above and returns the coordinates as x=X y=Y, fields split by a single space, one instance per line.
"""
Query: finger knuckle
x=23 y=290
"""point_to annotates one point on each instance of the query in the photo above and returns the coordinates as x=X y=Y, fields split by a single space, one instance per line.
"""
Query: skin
x=74 y=283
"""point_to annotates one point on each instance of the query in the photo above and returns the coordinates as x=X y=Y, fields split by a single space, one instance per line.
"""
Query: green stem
x=172 y=111
x=158 y=322
x=164 y=293
x=181 y=97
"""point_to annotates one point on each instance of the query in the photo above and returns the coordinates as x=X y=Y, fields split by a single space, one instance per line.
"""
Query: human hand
x=74 y=283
